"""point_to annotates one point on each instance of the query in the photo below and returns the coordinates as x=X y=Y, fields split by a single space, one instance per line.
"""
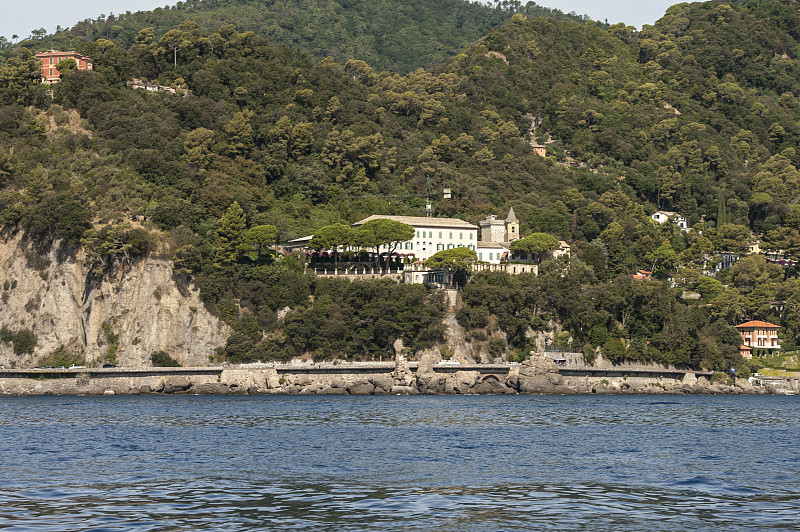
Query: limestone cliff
x=129 y=315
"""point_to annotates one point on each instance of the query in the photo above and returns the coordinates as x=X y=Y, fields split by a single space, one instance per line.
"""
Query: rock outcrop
x=125 y=317
x=538 y=374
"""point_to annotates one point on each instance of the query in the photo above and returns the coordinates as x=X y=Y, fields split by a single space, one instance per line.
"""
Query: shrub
x=24 y=341
x=162 y=360
x=478 y=334
x=62 y=357
x=496 y=346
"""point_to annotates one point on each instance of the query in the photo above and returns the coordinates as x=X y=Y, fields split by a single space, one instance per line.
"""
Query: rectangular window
x=51 y=60
x=480 y=256
x=440 y=235
x=451 y=235
x=51 y=71
x=490 y=256
x=470 y=236
x=417 y=234
x=461 y=236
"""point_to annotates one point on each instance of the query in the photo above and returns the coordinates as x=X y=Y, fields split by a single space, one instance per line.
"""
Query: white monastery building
x=432 y=234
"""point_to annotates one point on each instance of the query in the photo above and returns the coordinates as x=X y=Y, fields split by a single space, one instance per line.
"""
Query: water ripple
x=407 y=463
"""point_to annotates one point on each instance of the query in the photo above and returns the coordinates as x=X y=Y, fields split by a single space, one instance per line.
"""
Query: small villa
x=758 y=335
x=665 y=216
x=51 y=58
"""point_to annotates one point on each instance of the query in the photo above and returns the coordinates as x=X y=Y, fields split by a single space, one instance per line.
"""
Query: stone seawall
x=538 y=375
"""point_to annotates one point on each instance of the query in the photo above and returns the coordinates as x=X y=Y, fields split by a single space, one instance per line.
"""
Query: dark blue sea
x=399 y=463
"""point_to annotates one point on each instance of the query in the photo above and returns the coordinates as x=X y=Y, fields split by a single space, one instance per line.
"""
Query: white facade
x=492 y=252
x=664 y=216
x=432 y=235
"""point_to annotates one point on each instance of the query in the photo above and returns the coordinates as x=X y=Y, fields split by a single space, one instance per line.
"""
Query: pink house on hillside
x=758 y=335
x=51 y=58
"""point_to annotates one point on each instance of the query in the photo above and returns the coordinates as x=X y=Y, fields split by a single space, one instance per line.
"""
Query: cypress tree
x=229 y=236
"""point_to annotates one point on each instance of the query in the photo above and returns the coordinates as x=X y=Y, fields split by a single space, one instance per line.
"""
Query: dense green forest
x=696 y=114
x=388 y=34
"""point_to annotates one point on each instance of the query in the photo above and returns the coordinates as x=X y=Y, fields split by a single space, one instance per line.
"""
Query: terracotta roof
x=422 y=221
x=759 y=324
x=745 y=348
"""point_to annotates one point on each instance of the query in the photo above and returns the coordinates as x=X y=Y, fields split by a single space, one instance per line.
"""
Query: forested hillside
x=697 y=114
x=398 y=36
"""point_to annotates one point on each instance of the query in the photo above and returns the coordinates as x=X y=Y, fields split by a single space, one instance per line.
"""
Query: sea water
x=399 y=463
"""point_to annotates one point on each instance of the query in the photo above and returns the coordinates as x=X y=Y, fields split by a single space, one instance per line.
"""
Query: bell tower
x=512 y=226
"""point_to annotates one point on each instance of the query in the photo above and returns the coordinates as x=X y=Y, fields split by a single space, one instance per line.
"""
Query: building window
x=470 y=236
x=461 y=236
x=440 y=235
x=51 y=60
x=491 y=256
x=449 y=246
x=51 y=71
x=417 y=234
x=471 y=247
x=451 y=235
x=480 y=256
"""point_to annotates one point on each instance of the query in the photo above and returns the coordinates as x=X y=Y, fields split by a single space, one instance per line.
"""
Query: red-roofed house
x=758 y=335
x=51 y=58
x=746 y=352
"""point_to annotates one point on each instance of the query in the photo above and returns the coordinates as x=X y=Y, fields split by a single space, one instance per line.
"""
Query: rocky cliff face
x=124 y=318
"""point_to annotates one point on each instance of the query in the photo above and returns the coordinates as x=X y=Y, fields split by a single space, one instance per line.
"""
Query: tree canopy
x=535 y=244
x=452 y=260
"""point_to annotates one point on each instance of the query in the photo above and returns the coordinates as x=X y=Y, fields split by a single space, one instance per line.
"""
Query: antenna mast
x=428 y=205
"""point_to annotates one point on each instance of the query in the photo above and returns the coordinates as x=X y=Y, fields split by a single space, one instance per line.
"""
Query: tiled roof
x=422 y=221
x=758 y=324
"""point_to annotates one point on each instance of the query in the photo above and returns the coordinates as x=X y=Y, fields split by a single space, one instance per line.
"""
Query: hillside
x=697 y=114
x=391 y=35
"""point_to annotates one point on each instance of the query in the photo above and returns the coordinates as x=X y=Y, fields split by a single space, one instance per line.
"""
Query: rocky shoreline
x=537 y=375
